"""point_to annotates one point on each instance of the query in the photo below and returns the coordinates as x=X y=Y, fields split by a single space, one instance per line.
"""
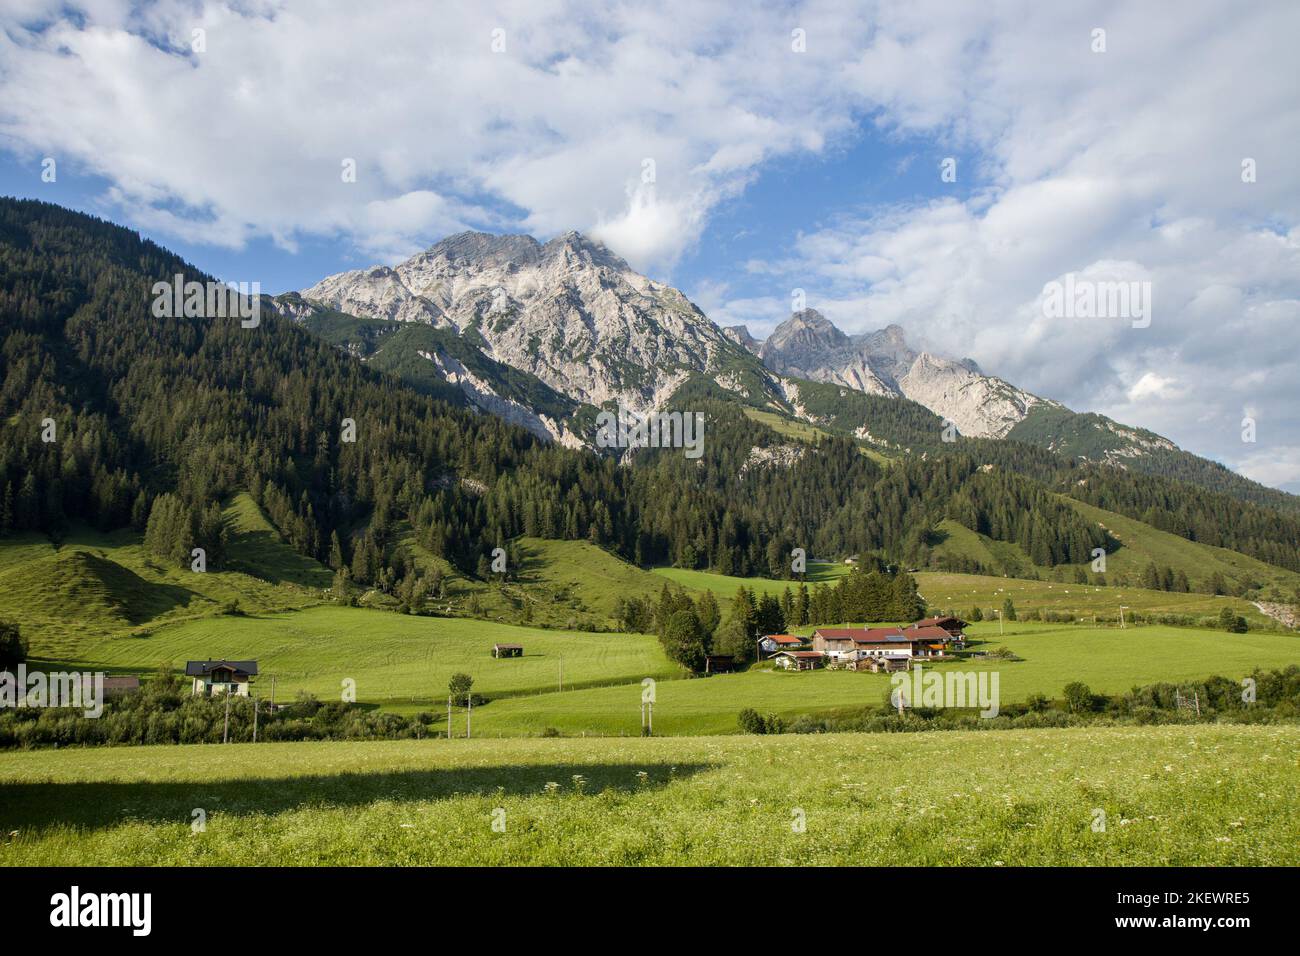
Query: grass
x=1190 y=795
x=1142 y=544
x=962 y=592
x=566 y=584
x=725 y=585
x=93 y=585
x=395 y=659
x=804 y=432
x=1109 y=660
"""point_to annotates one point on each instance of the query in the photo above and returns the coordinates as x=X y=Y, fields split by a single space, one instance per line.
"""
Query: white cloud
x=1122 y=164
x=246 y=138
x=1072 y=161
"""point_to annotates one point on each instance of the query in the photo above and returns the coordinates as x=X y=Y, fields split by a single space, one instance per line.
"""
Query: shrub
x=751 y=721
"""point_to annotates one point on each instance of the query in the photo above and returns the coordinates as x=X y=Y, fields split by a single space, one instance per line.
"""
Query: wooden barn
x=507 y=650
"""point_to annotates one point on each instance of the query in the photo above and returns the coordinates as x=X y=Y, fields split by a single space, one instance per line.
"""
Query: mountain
x=568 y=312
x=541 y=334
x=323 y=422
x=740 y=335
x=809 y=346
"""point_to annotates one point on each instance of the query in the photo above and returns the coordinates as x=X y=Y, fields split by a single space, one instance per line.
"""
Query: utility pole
x=449 y=716
x=999 y=614
x=469 y=714
x=225 y=734
x=256 y=701
x=1121 y=616
x=273 y=693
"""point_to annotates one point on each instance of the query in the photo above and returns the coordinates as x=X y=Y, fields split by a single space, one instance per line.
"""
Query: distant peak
x=487 y=247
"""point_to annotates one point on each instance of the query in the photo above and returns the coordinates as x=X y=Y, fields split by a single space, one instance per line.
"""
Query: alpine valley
x=394 y=437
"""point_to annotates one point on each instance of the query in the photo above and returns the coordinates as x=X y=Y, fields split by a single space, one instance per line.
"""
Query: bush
x=13 y=649
x=751 y=721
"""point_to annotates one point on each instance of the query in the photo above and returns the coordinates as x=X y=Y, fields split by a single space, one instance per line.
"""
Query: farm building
x=771 y=643
x=954 y=627
x=854 y=643
x=798 y=660
x=507 y=650
x=120 y=686
x=221 y=677
x=719 y=664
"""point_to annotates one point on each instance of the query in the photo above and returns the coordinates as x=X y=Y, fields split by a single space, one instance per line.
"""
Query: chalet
x=857 y=643
x=719 y=664
x=954 y=626
x=798 y=660
x=221 y=677
x=771 y=643
x=507 y=650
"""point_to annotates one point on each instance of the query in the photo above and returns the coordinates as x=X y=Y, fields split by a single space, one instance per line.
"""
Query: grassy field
x=962 y=592
x=393 y=658
x=566 y=584
x=1108 y=660
x=725 y=585
x=1205 y=795
x=1141 y=544
x=96 y=585
x=804 y=432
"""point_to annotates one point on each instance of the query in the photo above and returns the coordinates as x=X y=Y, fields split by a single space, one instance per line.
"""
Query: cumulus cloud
x=523 y=115
x=540 y=117
x=1126 y=164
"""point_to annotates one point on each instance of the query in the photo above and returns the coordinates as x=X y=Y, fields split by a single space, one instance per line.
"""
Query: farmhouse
x=955 y=627
x=507 y=650
x=771 y=643
x=798 y=660
x=221 y=677
x=857 y=643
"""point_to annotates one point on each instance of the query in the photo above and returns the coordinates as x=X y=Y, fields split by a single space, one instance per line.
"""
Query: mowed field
x=725 y=585
x=1187 y=795
x=394 y=659
x=962 y=592
x=1108 y=660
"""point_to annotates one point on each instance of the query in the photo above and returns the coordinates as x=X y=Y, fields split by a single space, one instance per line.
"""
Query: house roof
x=121 y=683
x=803 y=655
x=785 y=638
x=866 y=635
x=509 y=646
x=203 y=668
x=946 y=619
x=884 y=635
x=928 y=633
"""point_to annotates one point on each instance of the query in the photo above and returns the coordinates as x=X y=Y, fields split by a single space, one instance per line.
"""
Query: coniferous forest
x=155 y=421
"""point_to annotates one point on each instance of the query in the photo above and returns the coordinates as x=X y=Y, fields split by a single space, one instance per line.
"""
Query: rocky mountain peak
x=486 y=249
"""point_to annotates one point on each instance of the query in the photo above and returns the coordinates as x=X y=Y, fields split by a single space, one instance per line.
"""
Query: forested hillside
x=158 y=421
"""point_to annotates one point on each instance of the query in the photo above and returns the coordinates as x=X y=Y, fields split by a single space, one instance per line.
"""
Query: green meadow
x=962 y=592
x=725 y=585
x=1209 y=795
x=1108 y=660
x=392 y=658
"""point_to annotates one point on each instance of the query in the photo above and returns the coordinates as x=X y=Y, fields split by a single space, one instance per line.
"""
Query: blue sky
x=796 y=147
x=790 y=196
